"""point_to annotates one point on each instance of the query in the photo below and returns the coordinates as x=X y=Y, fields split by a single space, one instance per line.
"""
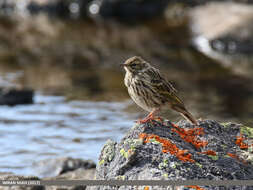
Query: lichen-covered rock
x=161 y=150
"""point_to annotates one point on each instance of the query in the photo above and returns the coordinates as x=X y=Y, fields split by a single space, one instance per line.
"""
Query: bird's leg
x=150 y=117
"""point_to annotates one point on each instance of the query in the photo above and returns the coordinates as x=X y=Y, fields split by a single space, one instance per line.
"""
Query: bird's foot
x=147 y=119
x=150 y=119
x=174 y=125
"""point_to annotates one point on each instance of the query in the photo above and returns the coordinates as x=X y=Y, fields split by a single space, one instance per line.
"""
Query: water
x=53 y=127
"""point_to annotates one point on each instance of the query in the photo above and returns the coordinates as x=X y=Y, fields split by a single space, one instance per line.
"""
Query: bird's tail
x=187 y=115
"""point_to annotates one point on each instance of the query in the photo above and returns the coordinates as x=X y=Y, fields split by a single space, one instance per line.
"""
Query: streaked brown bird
x=151 y=91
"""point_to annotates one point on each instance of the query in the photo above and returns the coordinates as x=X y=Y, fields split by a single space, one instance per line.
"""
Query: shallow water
x=53 y=127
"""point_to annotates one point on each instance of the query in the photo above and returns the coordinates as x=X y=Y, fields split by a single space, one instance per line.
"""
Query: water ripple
x=53 y=127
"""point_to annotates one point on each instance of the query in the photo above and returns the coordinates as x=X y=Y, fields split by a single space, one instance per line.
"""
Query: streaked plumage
x=150 y=90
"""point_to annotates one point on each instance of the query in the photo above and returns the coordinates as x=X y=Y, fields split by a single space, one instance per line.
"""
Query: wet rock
x=55 y=8
x=119 y=9
x=231 y=36
x=7 y=7
x=60 y=8
x=13 y=97
x=55 y=167
x=128 y=10
x=201 y=2
x=78 y=174
x=226 y=36
x=10 y=177
x=178 y=152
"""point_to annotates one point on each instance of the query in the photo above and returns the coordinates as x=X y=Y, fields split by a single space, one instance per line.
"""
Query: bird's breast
x=127 y=79
x=140 y=94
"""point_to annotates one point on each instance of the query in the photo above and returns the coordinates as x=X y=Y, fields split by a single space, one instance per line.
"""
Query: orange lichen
x=143 y=136
x=209 y=152
x=190 y=135
x=146 y=188
x=236 y=157
x=194 y=187
x=168 y=146
x=232 y=155
x=240 y=143
x=130 y=151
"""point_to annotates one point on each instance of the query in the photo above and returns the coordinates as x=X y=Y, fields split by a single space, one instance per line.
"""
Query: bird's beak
x=122 y=65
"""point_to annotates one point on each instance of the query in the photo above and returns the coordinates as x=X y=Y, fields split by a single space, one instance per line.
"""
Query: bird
x=151 y=91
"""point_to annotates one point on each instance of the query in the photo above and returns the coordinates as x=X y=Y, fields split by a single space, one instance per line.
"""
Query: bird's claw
x=150 y=118
x=145 y=120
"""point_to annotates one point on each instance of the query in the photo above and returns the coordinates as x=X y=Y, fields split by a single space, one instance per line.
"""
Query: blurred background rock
x=68 y=52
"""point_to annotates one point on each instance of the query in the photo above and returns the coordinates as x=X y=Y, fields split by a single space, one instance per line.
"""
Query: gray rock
x=60 y=8
x=202 y=2
x=134 y=159
x=78 y=174
x=127 y=10
x=232 y=35
x=11 y=176
x=223 y=31
x=55 y=167
x=13 y=97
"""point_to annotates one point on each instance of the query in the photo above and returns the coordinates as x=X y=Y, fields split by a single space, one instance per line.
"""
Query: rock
x=55 y=167
x=127 y=10
x=60 y=8
x=163 y=151
x=232 y=36
x=11 y=176
x=230 y=41
x=120 y=9
x=7 y=7
x=201 y=2
x=55 y=8
x=13 y=97
x=78 y=174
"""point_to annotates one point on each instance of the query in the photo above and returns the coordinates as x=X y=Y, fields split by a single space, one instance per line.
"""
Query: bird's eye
x=133 y=65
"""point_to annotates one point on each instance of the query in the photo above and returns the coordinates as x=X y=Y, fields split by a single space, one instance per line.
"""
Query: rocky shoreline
x=58 y=169
x=162 y=151
x=206 y=33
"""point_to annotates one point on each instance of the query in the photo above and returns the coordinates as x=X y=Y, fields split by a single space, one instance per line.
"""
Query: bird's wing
x=158 y=80
x=163 y=87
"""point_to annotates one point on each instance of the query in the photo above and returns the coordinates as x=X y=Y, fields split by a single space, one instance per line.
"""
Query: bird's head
x=135 y=64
